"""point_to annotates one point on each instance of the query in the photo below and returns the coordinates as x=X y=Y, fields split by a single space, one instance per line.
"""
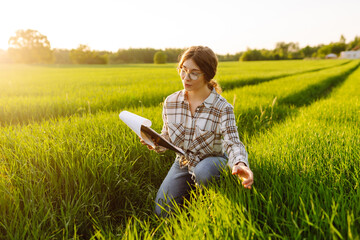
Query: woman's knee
x=172 y=190
x=163 y=204
x=209 y=169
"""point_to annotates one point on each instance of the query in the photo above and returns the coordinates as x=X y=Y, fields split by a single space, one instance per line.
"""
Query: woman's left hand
x=244 y=173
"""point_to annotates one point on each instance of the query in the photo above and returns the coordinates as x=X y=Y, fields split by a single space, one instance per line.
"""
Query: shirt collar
x=209 y=101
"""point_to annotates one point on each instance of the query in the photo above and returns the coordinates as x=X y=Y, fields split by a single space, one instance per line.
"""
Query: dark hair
x=207 y=61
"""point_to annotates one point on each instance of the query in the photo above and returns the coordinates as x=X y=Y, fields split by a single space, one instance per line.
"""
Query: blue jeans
x=178 y=182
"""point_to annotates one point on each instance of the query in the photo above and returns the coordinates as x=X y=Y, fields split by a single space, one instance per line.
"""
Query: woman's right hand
x=149 y=146
x=144 y=143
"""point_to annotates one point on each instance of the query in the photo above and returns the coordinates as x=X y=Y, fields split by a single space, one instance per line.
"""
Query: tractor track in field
x=290 y=105
x=241 y=83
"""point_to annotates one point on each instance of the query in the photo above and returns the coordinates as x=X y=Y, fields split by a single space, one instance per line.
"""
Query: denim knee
x=173 y=190
x=163 y=205
x=209 y=169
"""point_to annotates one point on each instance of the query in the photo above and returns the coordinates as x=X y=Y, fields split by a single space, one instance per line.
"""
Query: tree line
x=285 y=51
x=30 y=46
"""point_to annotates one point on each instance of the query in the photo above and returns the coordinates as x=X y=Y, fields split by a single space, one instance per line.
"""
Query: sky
x=226 y=26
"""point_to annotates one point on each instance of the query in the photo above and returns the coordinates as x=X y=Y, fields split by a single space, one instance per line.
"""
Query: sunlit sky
x=227 y=26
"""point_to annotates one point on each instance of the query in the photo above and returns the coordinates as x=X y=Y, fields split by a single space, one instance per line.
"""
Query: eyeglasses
x=192 y=75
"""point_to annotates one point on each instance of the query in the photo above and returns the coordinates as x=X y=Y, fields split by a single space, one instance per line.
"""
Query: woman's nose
x=187 y=77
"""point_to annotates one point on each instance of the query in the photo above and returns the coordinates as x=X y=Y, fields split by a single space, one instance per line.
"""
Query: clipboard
x=141 y=126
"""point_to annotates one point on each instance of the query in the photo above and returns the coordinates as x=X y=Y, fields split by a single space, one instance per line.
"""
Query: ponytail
x=213 y=84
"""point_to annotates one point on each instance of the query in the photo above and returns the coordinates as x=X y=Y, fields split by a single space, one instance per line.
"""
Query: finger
x=237 y=170
x=248 y=183
x=248 y=187
x=240 y=177
x=154 y=141
x=242 y=173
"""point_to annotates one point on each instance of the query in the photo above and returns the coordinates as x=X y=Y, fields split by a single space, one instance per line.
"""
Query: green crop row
x=238 y=74
x=35 y=93
x=56 y=175
x=257 y=107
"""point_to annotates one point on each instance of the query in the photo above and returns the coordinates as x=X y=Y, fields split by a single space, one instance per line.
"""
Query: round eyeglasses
x=192 y=75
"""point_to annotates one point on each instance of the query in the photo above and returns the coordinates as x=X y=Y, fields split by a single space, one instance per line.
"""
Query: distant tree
x=174 y=54
x=285 y=50
x=120 y=56
x=62 y=56
x=276 y=56
x=338 y=47
x=83 y=55
x=246 y=56
x=331 y=48
x=354 y=45
x=308 y=51
x=266 y=54
x=160 y=57
x=342 y=39
x=142 y=55
x=229 y=57
x=281 y=49
x=252 y=55
x=323 y=51
x=133 y=55
x=30 y=46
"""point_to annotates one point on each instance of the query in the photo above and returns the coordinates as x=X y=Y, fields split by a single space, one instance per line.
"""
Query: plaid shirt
x=209 y=132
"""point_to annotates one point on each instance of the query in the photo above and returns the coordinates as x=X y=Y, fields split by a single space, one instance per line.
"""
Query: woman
x=202 y=123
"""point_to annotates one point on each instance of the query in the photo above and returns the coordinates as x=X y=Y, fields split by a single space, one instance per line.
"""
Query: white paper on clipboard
x=134 y=122
x=141 y=126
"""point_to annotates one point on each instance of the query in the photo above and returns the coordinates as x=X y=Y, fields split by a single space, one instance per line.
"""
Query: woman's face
x=191 y=70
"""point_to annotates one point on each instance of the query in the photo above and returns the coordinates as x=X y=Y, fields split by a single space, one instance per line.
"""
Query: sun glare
x=231 y=26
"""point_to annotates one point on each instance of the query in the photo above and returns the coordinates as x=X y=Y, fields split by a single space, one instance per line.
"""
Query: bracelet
x=239 y=163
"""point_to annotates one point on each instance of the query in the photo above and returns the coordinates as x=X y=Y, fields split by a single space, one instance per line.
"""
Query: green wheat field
x=70 y=169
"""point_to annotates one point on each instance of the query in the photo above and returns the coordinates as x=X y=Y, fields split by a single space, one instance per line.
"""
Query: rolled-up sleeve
x=233 y=146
